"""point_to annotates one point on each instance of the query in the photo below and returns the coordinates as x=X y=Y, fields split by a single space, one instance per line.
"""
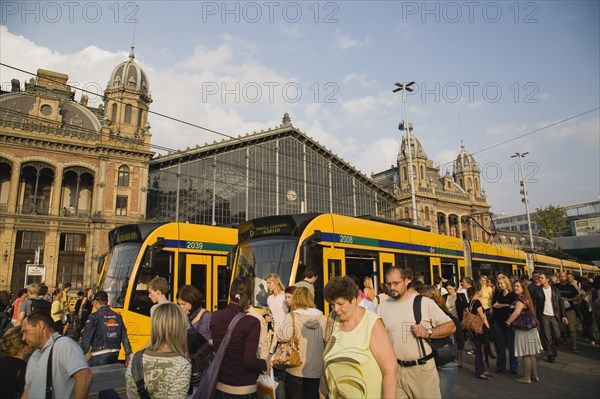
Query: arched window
x=406 y=213
x=426 y=213
x=128 y=114
x=113 y=113
x=123 y=178
x=404 y=173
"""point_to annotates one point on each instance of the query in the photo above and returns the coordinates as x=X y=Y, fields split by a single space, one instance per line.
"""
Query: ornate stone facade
x=451 y=204
x=69 y=173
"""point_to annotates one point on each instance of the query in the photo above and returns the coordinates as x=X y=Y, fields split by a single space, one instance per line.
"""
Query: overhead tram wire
x=162 y=148
x=531 y=132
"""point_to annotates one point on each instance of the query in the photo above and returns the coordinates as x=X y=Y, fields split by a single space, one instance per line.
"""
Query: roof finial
x=286 y=120
x=462 y=145
x=131 y=53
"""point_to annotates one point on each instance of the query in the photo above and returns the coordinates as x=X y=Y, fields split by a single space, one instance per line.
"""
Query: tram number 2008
x=194 y=245
x=346 y=239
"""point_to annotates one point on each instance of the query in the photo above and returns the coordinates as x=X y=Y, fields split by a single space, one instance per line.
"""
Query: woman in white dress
x=527 y=342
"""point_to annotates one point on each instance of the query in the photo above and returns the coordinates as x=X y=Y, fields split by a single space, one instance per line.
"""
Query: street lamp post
x=407 y=88
x=524 y=193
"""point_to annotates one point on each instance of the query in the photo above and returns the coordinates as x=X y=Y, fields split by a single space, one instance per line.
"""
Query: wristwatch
x=429 y=332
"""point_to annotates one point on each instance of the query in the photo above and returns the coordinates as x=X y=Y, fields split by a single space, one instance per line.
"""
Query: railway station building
x=69 y=173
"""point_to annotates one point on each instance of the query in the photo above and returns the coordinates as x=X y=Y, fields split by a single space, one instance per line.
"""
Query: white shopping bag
x=266 y=385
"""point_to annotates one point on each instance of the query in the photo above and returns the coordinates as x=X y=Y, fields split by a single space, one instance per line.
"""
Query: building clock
x=291 y=195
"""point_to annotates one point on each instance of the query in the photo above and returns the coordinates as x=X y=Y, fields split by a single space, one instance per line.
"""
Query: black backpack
x=39 y=305
x=444 y=349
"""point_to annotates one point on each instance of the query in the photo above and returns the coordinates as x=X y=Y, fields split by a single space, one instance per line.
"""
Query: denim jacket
x=104 y=329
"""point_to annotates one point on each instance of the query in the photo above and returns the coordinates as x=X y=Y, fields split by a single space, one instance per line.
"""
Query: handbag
x=209 y=381
x=471 y=322
x=266 y=386
x=288 y=353
x=526 y=320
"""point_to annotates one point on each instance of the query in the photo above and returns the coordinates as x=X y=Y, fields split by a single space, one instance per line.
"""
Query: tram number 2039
x=345 y=239
x=194 y=245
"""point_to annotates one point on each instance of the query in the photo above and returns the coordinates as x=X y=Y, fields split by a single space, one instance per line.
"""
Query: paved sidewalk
x=572 y=376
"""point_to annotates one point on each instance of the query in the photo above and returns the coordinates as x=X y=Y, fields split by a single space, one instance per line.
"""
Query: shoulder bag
x=471 y=322
x=526 y=320
x=49 y=385
x=201 y=354
x=443 y=349
x=206 y=390
x=137 y=371
x=288 y=353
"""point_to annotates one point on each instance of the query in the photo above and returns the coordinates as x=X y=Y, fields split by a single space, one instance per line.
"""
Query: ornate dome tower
x=127 y=99
x=419 y=162
x=466 y=172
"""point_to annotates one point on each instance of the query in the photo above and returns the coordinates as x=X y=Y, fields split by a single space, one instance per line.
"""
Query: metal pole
x=177 y=194
x=410 y=164
x=519 y=155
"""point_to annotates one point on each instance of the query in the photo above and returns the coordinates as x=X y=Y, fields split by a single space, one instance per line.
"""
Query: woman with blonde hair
x=308 y=324
x=369 y=290
x=14 y=353
x=276 y=300
x=503 y=301
x=166 y=369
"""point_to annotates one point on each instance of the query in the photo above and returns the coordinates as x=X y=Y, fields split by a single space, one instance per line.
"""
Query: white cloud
x=345 y=42
x=362 y=79
x=290 y=30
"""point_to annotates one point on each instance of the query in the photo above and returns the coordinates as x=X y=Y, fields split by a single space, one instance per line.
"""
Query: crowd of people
x=382 y=343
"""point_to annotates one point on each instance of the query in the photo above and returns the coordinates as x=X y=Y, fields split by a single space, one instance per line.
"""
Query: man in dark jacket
x=550 y=311
x=105 y=332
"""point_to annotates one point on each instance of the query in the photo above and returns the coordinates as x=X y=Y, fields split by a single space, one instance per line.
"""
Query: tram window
x=224 y=276
x=334 y=268
x=162 y=266
x=449 y=269
x=198 y=279
x=462 y=272
x=419 y=265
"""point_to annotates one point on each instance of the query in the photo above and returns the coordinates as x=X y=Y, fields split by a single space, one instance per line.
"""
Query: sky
x=503 y=77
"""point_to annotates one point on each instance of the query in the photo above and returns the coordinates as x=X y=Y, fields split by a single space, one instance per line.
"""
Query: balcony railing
x=31 y=210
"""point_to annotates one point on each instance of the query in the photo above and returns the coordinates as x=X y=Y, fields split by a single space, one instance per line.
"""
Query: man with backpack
x=417 y=376
x=33 y=303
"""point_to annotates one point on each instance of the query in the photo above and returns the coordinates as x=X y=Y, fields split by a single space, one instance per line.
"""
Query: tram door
x=449 y=269
x=435 y=264
x=203 y=272
x=334 y=264
x=385 y=262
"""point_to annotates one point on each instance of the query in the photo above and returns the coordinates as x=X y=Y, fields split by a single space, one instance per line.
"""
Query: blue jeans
x=508 y=335
x=105 y=358
x=447 y=373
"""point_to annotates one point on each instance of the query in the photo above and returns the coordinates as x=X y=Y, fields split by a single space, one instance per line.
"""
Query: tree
x=551 y=221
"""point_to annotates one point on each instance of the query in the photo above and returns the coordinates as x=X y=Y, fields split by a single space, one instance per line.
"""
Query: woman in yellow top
x=57 y=310
x=487 y=293
x=359 y=357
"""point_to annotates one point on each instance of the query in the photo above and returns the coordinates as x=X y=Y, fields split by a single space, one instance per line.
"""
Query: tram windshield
x=257 y=258
x=119 y=264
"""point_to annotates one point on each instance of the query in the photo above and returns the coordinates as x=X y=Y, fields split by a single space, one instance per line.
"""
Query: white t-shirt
x=548 y=311
x=278 y=308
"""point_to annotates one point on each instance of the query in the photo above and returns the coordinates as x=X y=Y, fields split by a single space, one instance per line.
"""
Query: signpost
x=34 y=272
